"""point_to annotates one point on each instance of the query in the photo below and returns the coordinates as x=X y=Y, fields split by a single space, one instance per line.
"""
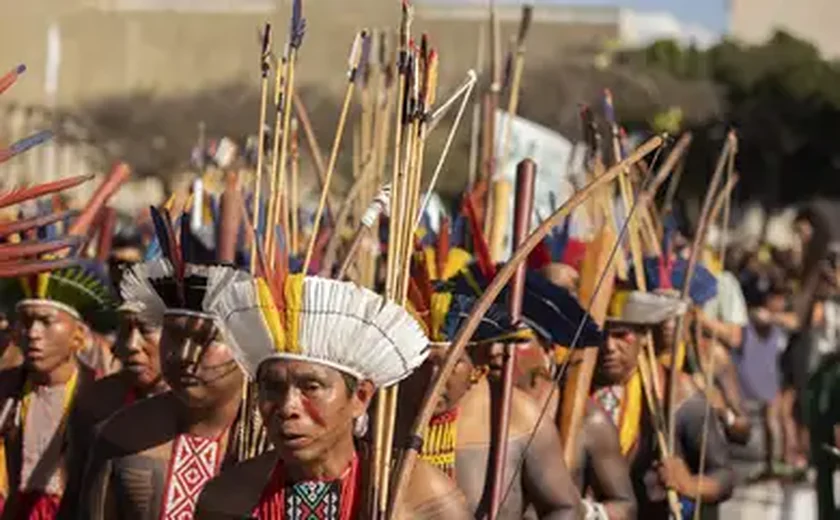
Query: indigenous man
x=318 y=349
x=53 y=313
x=151 y=460
x=601 y=471
x=458 y=438
x=137 y=348
x=619 y=390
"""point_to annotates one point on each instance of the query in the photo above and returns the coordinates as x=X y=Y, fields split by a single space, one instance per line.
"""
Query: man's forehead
x=295 y=368
x=37 y=309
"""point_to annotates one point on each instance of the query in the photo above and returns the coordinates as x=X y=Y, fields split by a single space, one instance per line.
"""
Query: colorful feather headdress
x=333 y=323
x=33 y=273
x=639 y=308
x=668 y=271
x=551 y=311
x=209 y=238
x=442 y=312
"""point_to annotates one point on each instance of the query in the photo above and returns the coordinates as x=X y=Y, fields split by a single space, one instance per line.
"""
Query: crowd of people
x=234 y=354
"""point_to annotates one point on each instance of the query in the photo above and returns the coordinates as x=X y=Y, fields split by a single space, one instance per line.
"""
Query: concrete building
x=753 y=21
x=111 y=47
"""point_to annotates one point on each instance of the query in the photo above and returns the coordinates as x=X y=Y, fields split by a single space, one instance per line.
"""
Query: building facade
x=753 y=21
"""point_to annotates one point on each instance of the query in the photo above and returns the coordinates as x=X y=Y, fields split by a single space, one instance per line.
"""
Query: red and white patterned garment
x=195 y=460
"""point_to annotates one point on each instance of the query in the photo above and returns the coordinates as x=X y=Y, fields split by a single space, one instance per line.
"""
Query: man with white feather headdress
x=151 y=459
x=318 y=349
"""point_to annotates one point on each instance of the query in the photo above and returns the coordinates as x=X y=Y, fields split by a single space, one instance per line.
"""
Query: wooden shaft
x=699 y=237
x=526 y=172
x=230 y=221
x=312 y=144
x=485 y=301
x=339 y=132
x=255 y=210
x=269 y=239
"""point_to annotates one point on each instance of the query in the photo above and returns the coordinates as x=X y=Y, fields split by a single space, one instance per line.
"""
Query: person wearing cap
x=619 y=390
x=318 y=350
x=458 y=437
x=54 y=314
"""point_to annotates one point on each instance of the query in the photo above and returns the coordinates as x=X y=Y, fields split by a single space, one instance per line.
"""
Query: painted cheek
x=312 y=411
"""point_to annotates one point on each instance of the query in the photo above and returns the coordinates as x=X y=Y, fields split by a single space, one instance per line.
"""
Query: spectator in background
x=756 y=360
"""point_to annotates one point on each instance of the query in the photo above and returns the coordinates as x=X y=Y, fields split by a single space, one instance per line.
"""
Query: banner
x=559 y=168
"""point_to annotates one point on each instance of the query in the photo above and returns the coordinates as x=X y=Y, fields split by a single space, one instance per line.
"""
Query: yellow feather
x=270 y=314
x=431 y=263
x=456 y=261
x=439 y=307
x=43 y=284
x=294 y=304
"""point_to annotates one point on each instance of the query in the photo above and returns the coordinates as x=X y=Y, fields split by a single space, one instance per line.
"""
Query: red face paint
x=312 y=411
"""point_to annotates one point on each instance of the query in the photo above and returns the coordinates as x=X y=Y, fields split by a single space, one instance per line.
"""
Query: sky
x=711 y=14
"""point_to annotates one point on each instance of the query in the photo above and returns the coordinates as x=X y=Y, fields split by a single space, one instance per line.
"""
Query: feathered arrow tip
x=33 y=192
x=9 y=79
x=381 y=205
x=359 y=55
x=297 y=27
x=25 y=144
x=265 y=53
x=524 y=25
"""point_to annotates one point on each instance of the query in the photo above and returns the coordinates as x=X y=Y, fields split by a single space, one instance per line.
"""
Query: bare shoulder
x=527 y=414
x=138 y=427
x=431 y=494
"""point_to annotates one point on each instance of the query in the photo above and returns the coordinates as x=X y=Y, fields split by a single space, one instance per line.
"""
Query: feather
x=137 y=287
x=18 y=195
x=197 y=210
x=481 y=249
x=118 y=175
x=550 y=310
x=381 y=205
x=18 y=226
x=38 y=247
x=24 y=144
x=241 y=320
x=106 y=234
x=388 y=344
x=12 y=271
x=297 y=27
x=9 y=79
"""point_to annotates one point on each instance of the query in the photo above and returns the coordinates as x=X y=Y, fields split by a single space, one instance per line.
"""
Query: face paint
x=312 y=411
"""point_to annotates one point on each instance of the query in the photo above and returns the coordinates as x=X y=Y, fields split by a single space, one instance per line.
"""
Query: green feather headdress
x=82 y=291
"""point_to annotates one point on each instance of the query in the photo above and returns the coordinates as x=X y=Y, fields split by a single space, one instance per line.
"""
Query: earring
x=360 y=425
x=478 y=373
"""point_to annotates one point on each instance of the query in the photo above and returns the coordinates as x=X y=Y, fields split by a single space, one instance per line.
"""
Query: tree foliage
x=782 y=97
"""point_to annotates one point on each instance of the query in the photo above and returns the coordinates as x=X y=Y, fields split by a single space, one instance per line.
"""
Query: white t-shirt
x=729 y=305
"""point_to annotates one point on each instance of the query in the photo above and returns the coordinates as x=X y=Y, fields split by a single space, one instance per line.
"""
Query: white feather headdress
x=337 y=324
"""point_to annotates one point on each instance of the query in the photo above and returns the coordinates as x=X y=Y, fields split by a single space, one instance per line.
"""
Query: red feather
x=18 y=226
x=16 y=268
x=37 y=247
x=482 y=250
x=17 y=195
x=539 y=257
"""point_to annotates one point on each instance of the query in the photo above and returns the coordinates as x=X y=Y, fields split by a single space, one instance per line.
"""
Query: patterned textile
x=312 y=499
x=35 y=505
x=195 y=460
